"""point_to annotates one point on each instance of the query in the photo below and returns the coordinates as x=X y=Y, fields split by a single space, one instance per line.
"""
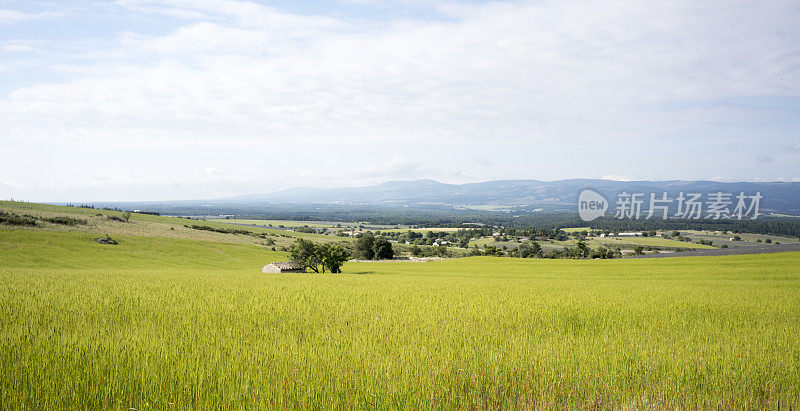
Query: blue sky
x=180 y=99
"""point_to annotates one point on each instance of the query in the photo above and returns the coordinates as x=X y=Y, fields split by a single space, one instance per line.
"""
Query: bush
x=17 y=219
x=221 y=230
x=63 y=220
x=382 y=249
x=363 y=247
x=526 y=250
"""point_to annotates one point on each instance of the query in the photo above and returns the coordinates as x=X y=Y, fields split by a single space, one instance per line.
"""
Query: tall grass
x=163 y=322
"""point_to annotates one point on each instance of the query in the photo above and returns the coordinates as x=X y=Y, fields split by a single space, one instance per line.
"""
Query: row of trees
x=330 y=257
x=534 y=250
x=369 y=247
x=319 y=257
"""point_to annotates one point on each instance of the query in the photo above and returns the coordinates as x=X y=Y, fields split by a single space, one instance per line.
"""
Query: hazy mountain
x=778 y=196
x=519 y=195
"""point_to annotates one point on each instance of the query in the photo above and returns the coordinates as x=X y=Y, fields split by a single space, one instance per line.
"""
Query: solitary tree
x=332 y=257
x=304 y=253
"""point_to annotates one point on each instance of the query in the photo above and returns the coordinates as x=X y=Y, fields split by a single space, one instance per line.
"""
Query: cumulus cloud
x=239 y=74
x=521 y=71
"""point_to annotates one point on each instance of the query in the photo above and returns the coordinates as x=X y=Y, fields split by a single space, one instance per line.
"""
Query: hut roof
x=286 y=265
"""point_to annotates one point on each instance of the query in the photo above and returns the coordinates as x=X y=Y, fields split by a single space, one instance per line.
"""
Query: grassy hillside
x=651 y=242
x=160 y=322
x=99 y=222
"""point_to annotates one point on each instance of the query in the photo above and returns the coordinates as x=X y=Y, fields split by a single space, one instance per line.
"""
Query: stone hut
x=282 y=267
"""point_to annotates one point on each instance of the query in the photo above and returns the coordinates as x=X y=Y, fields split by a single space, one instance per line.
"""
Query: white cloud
x=515 y=74
x=618 y=177
x=396 y=168
x=483 y=162
x=518 y=71
x=765 y=158
x=13 y=186
x=11 y=16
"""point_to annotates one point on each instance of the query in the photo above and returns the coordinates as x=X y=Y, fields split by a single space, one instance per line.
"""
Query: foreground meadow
x=164 y=322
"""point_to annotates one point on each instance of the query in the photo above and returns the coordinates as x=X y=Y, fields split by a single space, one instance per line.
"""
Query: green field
x=650 y=242
x=719 y=238
x=156 y=226
x=576 y=229
x=294 y=223
x=277 y=223
x=595 y=242
x=159 y=322
x=421 y=230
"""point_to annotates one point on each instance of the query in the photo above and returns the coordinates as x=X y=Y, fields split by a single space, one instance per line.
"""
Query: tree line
x=329 y=257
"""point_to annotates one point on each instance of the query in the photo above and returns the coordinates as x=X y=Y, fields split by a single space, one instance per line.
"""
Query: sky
x=190 y=99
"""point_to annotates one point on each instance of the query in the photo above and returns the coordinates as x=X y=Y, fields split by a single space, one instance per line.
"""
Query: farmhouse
x=282 y=267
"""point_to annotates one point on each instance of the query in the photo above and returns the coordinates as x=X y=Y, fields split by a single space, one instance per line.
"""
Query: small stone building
x=282 y=267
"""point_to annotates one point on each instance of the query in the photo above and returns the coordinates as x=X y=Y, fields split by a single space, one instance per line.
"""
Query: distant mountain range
x=780 y=197
x=517 y=196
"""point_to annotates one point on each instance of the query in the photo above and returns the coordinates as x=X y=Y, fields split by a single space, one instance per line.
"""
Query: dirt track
x=759 y=249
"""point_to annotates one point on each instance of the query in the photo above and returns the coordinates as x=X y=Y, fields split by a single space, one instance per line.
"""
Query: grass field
x=277 y=223
x=420 y=230
x=171 y=322
x=156 y=226
x=719 y=238
x=650 y=241
x=576 y=229
x=595 y=242
x=294 y=223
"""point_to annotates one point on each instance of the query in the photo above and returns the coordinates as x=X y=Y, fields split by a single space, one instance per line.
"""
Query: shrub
x=382 y=249
x=17 y=219
x=63 y=220
x=221 y=230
